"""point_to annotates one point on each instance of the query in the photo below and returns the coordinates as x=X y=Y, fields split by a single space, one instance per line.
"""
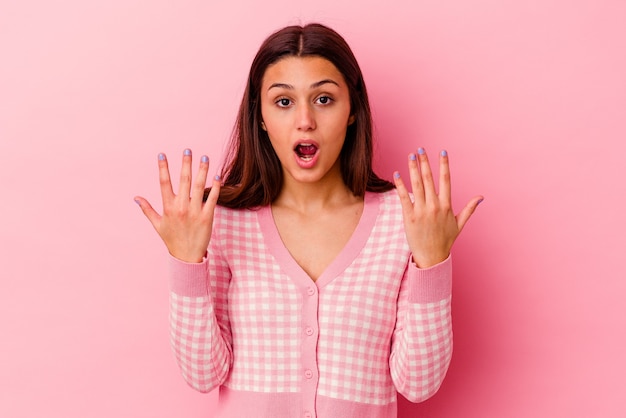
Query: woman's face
x=305 y=106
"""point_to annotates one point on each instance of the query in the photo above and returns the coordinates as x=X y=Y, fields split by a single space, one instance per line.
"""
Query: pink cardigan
x=250 y=321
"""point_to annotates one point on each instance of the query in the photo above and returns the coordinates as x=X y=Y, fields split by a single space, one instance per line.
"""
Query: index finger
x=167 y=193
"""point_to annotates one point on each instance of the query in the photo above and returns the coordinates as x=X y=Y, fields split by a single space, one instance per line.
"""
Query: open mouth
x=305 y=151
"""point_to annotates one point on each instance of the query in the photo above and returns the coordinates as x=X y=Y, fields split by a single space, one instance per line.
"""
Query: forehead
x=301 y=71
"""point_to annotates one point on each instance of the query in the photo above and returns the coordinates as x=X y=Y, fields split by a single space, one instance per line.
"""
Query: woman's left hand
x=429 y=221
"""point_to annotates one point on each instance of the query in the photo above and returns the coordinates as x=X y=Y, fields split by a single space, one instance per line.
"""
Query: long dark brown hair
x=252 y=173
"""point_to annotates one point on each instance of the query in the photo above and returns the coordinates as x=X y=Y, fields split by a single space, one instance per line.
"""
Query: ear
x=351 y=120
x=263 y=126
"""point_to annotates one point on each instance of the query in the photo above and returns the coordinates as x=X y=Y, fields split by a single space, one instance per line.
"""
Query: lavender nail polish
x=217 y=177
x=396 y=175
x=161 y=157
x=204 y=159
x=412 y=157
x=420 y=151
x=444 y=153
x=187 y=152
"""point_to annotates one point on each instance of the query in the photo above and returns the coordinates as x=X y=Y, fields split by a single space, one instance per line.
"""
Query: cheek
x=268 y=118
x=276 y=138
x=339 y=128
x=275 y=125
x=340 y=121
x=279 y=147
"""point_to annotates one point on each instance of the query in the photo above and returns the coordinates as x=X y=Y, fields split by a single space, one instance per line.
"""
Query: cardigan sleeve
x=422 y=340
x=199 y=325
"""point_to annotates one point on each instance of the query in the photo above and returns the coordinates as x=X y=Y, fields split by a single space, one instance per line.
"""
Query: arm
x=421 y=346
x=422 y=341
x=200 y=333
x=199 y=326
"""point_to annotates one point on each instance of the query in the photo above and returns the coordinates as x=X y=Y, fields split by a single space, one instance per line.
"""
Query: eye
x=283 y=102
x=324 y=100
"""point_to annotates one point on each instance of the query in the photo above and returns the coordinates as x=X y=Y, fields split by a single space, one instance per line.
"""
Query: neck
x=327 y=193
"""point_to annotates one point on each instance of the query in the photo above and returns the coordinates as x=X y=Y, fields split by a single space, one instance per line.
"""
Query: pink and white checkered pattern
x=422 y=349
x=357 y=318
x=383 y=325
x=201 y=351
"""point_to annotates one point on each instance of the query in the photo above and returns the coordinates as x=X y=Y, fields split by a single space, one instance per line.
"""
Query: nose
x=305 y=118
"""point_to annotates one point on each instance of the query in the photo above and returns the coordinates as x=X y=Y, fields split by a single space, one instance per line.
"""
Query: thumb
x=467 y=211
x=146 y=208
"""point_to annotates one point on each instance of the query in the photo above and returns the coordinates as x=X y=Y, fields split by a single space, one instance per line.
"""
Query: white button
x=308 y=374
x=309 y=331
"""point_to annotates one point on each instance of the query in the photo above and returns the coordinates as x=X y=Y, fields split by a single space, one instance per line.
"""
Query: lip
x=309 y=163
x=305 y=141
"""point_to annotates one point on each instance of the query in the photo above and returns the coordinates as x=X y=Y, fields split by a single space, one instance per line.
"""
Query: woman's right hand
x=186 y=224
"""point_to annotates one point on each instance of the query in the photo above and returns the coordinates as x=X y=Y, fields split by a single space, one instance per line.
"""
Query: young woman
x=304 y=285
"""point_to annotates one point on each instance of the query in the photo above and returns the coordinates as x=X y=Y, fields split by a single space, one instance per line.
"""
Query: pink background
x=528 y=97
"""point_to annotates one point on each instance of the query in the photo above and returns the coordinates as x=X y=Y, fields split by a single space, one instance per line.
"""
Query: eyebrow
x=313 y=86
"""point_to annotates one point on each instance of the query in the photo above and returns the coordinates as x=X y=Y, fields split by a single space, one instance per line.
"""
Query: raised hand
x=186 y=224
x=429 y=221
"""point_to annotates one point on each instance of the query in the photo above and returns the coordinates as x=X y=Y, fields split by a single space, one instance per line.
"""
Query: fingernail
x=412 y=157
x=187 y=152
x=444 y=153
x=204 y=159
x=420 y=151
x=161 y=157
x=396 y=175
x=479 y=202
x=137 y=202
x=217 y=177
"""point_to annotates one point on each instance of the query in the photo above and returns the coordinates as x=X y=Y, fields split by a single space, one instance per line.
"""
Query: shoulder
x=387 y=237
x=388 y=203
x=388 y=211
x=227 y=219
